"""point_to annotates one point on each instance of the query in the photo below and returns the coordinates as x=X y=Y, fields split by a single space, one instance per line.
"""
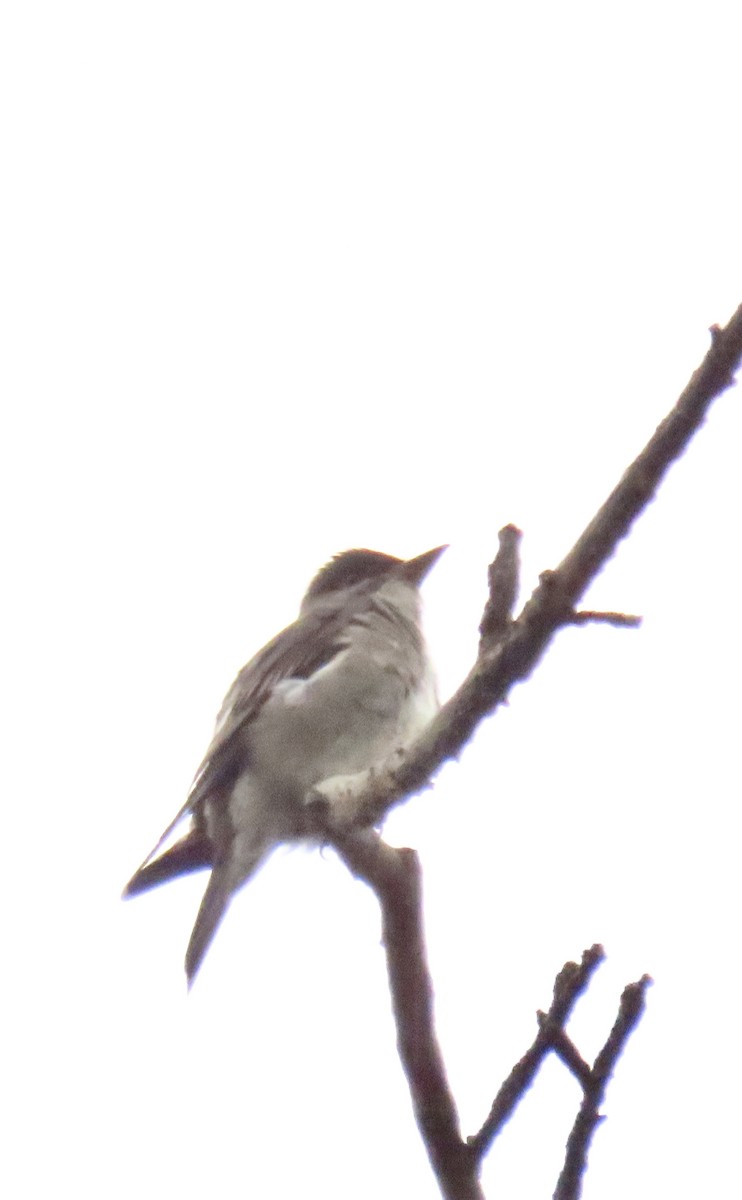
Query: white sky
x=279 y=279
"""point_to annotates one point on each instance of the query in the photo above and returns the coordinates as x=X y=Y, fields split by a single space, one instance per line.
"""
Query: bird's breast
x=347 y=716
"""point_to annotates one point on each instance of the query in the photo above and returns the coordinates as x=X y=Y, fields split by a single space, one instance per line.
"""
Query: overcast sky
x=279 y=279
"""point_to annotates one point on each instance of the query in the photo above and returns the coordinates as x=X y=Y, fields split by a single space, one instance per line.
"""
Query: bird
x=349 y=682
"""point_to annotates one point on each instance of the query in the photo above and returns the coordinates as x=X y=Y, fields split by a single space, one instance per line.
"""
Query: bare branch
x=588 y=617
x=569 y=985
x=565 y=1049
x=503 y=579
x=637 y=487
x=569 y=1184
x=395 y=877
x=511 y=650
x=343 y=810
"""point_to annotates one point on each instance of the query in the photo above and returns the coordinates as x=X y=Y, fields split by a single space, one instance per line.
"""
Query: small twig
x=569 y=1184
x=565 y=1049
x=569 y=985
x=503 y=578
x=395 y=878
x=585 y=616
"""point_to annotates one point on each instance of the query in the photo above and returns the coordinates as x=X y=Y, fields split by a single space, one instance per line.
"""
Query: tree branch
x=395 y=877
x=569 y=1184
x=503 y=577
x=510 y=650
x=589 y=617
x=569 y=985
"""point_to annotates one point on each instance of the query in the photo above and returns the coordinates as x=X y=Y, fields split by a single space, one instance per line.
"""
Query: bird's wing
x=193 y=852
x=295 y=653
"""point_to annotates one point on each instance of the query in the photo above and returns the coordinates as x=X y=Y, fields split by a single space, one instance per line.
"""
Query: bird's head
x=354 y=567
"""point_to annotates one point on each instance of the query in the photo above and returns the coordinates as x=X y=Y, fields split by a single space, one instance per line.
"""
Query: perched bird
x=348 y=683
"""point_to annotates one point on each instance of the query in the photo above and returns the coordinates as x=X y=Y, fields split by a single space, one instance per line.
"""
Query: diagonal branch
x=342 y=811
x=569 y=985
x=569 y=1184
x=510 y=650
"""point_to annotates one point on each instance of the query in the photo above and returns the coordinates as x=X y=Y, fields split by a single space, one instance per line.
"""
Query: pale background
x=283 y=278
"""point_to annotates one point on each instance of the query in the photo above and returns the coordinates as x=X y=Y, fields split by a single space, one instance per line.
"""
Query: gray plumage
x=332 y=694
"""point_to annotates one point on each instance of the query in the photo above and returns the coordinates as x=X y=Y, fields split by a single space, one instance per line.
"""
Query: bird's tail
x=213 y=907
x=193 y=853
x=221 y=887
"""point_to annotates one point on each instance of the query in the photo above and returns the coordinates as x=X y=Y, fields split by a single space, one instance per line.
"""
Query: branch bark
x=508 y=651
x=569 y=985
x=511 y=649
x=396 y=879
x=569 y=1184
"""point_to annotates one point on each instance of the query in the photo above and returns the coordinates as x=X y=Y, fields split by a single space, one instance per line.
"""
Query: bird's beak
x=414 y=570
